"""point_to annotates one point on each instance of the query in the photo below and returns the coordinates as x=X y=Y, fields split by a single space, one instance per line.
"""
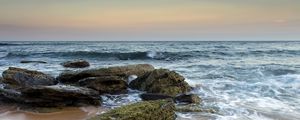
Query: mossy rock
x=193 y=108
x=121 y=71
x=105 y=84
x=147 y=110
x=161 y=81
x=24 y=78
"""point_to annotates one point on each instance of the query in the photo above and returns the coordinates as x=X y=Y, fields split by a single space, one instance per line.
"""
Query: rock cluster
x=75 y=88
x=39 y=89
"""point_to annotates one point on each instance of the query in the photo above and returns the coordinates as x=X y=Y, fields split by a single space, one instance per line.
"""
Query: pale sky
x=149 y=20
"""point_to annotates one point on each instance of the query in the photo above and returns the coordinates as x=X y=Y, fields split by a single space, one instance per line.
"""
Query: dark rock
x=31 y=61
x=61 y=95
x=121 y=71
x=161 y=81
x=76 y=64
x=1 y=80
x=22 y=77
x=147 y=110
x=11 y=95
x=154 y=96
x=52 y=96
x=194 y=108
x=188 y=98
x=105 y=84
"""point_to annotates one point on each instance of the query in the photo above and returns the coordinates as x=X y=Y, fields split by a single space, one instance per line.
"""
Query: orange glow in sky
x=149 y=20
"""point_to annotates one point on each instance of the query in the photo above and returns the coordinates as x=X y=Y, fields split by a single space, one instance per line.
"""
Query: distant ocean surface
x=241 y=80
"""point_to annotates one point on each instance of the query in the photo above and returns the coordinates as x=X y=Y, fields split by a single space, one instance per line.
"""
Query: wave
x=114 y=55
x=8 y=44
x=270 y=52
x=144 y=55
x=100 y=55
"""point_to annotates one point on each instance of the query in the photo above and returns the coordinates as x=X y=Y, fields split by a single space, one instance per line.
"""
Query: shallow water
x=241 y=80
x=68 y=113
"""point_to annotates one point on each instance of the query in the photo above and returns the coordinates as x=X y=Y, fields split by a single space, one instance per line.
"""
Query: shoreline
x=8 y=112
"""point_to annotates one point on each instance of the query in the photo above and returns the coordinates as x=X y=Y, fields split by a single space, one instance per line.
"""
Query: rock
x=188 y=98
x=147 y=110
x=121 y=71
x=76 y=64
x=61 y=95
x=32 y=61
x=52 y=96
x=22 y=77
x=10 y=95
x=161 y=81
x=193 y=108
x=105 y=84
x=1 y=80
x=154 y=96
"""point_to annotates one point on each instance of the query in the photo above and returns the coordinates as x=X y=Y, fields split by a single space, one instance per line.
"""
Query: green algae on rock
x=147 y=110
x=121 y=71
x=105 y=84
x=161 y=81
x=193 y=108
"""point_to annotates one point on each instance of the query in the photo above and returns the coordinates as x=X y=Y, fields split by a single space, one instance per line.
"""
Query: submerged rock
x=154 y=96
x=147 y=110
x=121 y=71
x=23 y=77
x=161 y=81
x=76 y=64
x=105 y=84
x=188 y=98
x=32 y=61
x=49 y=96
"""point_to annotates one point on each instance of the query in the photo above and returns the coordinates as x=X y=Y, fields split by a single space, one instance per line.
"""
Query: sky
x=149 y=20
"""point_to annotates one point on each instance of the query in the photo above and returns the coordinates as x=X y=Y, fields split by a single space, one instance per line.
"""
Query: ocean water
x=241 y=80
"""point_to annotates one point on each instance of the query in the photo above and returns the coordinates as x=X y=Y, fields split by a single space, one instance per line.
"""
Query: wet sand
x=12 y=112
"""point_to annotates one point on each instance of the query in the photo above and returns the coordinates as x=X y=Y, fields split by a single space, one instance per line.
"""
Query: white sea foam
x=151 y=54
x=118 y=100
x=131 y=78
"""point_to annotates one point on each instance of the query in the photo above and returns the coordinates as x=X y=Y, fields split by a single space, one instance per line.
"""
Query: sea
x=241 y=80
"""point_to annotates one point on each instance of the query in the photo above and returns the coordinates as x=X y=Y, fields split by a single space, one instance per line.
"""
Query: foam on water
x=112 y=101
x=151 y=54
